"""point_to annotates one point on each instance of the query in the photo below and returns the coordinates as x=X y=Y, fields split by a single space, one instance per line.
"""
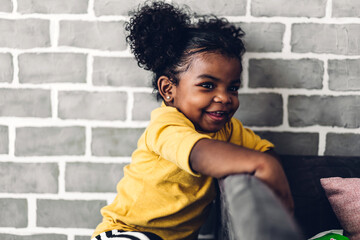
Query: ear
x=166 y=89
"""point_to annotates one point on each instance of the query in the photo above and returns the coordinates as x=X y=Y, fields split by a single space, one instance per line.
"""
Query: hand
x=272 y=174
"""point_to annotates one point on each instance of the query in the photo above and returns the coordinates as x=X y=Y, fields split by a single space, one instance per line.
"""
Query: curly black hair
x=163 y=38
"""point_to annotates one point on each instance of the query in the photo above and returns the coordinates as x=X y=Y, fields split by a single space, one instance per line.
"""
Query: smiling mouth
x=218 y=115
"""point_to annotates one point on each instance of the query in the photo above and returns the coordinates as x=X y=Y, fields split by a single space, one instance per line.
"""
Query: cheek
x=236 y=102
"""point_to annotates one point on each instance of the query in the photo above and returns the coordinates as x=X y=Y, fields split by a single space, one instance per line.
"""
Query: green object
x=332 y=236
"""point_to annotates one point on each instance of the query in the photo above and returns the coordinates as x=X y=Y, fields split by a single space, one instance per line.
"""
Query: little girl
x=192 y=138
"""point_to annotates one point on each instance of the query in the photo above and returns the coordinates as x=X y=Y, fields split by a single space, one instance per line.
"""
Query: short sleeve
x=247 y=138
x=172 y=136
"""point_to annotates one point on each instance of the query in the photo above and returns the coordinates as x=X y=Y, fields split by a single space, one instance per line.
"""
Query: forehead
x=215 y=63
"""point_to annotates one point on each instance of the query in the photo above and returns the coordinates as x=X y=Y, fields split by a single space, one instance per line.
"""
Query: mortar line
x=54 y=103
x=129 y=106
x=248 y=8
x=49 y=159
x=326 y=79
x=245 y=75
x=15 y=6
x=91 y=8
x=46 y=230
x=12 y=139
x=54 y=32
x=15 y=80
x=287 y=39
x=81 y=196
x=88 y=139
x=32 y=208
x=89 y=69
x=61 y=178
x=322 y=143
x=285 y=123
x=328 y=9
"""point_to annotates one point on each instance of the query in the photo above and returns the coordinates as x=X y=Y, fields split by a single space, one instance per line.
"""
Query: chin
x=210 y=130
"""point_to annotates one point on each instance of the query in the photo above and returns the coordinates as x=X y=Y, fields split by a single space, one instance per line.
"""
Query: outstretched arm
x=219 y=159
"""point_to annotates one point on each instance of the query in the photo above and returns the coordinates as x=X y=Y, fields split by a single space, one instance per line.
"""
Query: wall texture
x=73 y=101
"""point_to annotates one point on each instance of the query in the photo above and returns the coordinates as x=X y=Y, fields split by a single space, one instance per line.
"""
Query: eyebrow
x=217 y=79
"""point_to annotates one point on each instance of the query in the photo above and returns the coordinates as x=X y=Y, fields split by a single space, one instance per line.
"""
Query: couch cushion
x=344 y=197
x=313 y=211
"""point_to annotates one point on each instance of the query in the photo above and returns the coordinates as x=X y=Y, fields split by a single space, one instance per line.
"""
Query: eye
x=207 y=85
x=234 y=88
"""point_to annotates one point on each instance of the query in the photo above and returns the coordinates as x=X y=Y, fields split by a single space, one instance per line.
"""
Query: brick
x=111 y=71
x=344 y=75
x=82 y=237
x=345 y=8
x=94 y=35
x=222 y=8
x=263 y=37
x=278 y=73
x=290 y=143
x=6 y=6
x=92 y=105
x=6 y=67
x=25 y=103
x=326 y=38
x=265 y=109
x=29 y=177
x=52 y=236
x=69 y=213
x=288 y=8
x=50 y=141
x=52 y=6
x=14 y=213
x=93 y=177
x=144 y=103
x=52 y=68
x=4 y=140
x=340 y=111
x=24 y=33
x=115 y=141
x=115 y=7
x=342 y=144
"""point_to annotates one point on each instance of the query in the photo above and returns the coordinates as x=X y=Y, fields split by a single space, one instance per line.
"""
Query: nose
x=222 y=97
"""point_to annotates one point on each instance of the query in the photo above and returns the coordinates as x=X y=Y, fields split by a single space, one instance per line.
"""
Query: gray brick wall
x=278 y=73
x=25 y=103
x=263 y=37
x=4 y=140
x=99 y=35
x=25 y=33
x=326 y=38
x=288 y=8
x=52 y=6
x=29 y=177
x=50 y=141
x=68 y=213
x=6 y=67
x=92 y=177
x=116 y=72
x=346 y=8
x=52 y=68
x=6 y=6
x=92 y=105
x=73 y=101
x=8 y=207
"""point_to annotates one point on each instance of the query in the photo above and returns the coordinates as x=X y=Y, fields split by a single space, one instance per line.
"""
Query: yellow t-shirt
x=159 y=192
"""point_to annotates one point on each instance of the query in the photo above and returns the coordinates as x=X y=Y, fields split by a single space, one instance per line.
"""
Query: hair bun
x=155 y=34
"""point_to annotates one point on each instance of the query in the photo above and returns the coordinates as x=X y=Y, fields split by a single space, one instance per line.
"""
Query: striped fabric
x=121 y=235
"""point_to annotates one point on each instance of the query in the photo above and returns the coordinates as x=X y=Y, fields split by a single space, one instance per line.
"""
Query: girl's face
x=207 y=93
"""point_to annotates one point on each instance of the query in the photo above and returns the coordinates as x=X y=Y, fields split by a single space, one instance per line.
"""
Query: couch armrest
x=251 y=211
